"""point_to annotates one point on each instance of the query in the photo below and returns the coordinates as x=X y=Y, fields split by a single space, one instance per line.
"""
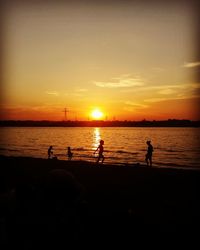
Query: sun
x=96 y=114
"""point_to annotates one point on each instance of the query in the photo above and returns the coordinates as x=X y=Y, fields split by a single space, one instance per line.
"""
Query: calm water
x=172 y=146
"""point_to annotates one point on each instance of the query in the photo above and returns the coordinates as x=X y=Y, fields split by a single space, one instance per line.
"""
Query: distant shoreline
x=143 y=123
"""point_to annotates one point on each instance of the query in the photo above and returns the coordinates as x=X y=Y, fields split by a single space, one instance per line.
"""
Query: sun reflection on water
x=96 y=138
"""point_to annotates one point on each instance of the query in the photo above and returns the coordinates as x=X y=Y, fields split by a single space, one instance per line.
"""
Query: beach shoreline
x=149 y=200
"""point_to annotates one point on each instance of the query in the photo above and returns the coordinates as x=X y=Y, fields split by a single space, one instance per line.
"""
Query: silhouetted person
x=69 y=153
x=50 y=152
x=100 y=149
x=148 y=158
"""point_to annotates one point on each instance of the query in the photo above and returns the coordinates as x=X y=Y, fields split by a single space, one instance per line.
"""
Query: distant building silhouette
x=89 y=123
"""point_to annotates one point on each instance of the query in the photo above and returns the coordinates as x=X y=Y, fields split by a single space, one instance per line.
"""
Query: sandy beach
x=59 y=202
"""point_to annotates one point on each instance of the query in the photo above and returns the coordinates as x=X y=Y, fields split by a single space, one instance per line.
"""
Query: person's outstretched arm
x=96 y=150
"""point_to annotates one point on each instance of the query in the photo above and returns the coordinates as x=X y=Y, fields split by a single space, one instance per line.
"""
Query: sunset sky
x=129 y=59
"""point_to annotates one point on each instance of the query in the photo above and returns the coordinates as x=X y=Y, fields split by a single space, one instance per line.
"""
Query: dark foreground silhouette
x=100 y=150
x=58 y=203
x=69 y=153
x=148 y=157
x=50 y=152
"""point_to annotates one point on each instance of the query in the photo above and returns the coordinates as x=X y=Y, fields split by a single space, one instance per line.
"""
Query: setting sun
x=97 y=114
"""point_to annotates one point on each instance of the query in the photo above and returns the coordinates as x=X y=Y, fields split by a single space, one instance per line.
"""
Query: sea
x=173 y=147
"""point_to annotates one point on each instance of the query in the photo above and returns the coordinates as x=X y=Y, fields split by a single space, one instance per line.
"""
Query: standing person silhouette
x=148 y=158
x=100 y=149
x=69 y=153
x=50 y=152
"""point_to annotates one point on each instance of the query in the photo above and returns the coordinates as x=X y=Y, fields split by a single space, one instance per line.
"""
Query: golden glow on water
x=122 y=145
x=96 y=138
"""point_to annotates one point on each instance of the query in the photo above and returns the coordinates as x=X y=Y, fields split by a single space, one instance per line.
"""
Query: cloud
x=121 y=82
x=157 y=99
x=81 y=90
x=166 y=89
x=180 y=96
x=55 y=93
x=191 y=64
x=174 y=92
x=167 y=92
x=136 y=105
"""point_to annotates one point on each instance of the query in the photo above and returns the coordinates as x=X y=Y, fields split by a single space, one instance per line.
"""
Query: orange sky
x=132 y=61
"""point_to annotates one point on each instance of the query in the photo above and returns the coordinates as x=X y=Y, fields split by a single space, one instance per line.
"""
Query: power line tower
x=65 y=112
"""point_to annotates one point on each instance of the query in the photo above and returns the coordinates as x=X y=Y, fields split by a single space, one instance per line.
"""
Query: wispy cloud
x=136 y=105
x=55 y=93
x=157 y=99
x=131 y=106
x=167 y=91
x=191 y=64
x=76 y=92
x=38 y=107
x=178 y=97
x=121 y=82
x=175 y=92
x=81 y=90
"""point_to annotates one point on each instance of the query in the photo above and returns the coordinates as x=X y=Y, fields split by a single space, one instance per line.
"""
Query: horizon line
x=143 y=120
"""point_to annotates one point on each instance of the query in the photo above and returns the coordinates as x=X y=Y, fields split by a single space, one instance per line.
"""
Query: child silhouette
x=50 y=152
x=69 y=153
x=100 y=149
x=148 y=158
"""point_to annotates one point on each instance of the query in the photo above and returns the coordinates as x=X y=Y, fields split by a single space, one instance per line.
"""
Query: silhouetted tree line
x=143 y=123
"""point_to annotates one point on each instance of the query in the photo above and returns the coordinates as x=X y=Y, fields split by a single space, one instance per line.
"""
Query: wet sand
x=100 y=203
